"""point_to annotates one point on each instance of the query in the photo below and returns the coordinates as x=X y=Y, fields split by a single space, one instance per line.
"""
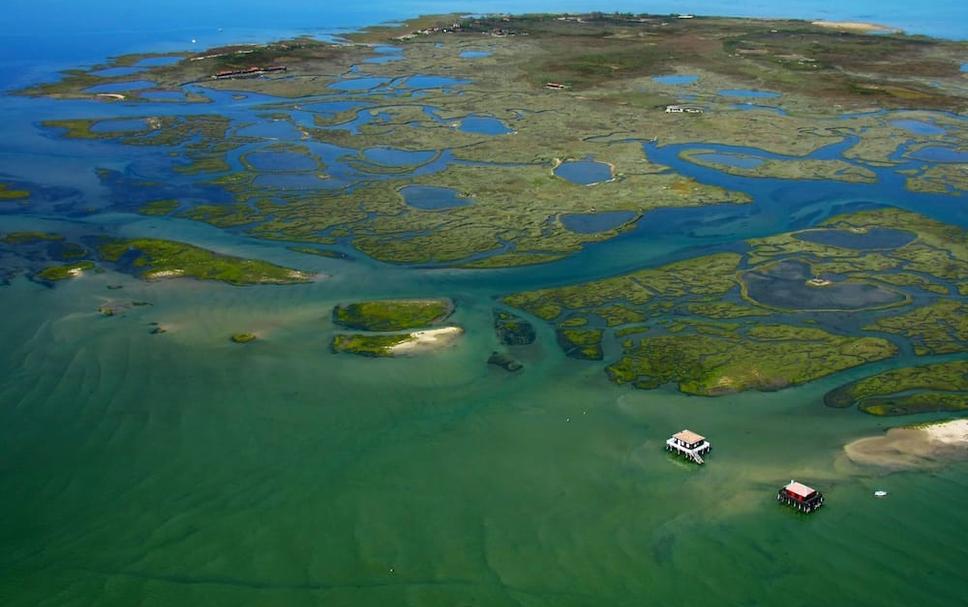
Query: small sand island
x=926 y=445
x=394 y=327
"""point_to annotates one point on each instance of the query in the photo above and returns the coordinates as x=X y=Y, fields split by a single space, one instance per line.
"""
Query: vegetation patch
x=923 y=389
x=156 y=259
x=9 y=193
x=367 y=345
x=71 y=270
x=392 y=315
x=243 y=338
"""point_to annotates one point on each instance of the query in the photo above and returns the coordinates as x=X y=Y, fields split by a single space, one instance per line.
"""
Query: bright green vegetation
x=8 y=193
x=763 y=357
x=671 y=321
x=939 y=328
x=392 y=315
x=929 y=388
x=156 y=259
x=367 y=345
x=21 y=238
x=243 y=338
x=159 y=207
x=581 y=343
x=71 y=270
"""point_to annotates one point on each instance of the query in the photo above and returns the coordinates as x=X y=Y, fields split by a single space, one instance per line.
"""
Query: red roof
x=799 y=489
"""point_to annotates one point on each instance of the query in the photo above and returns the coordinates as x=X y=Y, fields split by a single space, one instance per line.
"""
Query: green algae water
x=150 y=468
x=184 y=469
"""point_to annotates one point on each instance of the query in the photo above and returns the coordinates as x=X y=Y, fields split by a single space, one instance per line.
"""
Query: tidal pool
x=474 y=54
x=591 y=223
x=942 y=154
x=432 y=82
x=584 y=172
x=484 y=125
x=385 y=54
x=396 y=157
x=359 y=84
x=784 y=285
x=280 y=161
x=872 y=239
x=917 y=127
x=432 y=198
x=676 y=79
x=734 y=160
x=749 y=93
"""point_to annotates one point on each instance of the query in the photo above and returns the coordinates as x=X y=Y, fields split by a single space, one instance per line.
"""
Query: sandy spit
x=913 y=446
x=431 y=339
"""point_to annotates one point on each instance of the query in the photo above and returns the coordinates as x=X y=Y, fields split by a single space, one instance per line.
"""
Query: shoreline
x=912 y=447
x=428 y=339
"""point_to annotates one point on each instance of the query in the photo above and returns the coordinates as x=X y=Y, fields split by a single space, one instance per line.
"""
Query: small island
x=243 y=338
x=926 y=389
x=158 y=259
x=71 y=270
x=395 y=327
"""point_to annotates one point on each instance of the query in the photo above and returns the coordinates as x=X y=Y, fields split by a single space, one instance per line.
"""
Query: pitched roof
x=800 y=489
x=688 y=436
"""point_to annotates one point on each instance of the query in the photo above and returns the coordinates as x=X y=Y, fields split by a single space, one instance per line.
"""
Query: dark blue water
x=396 y=157
x=918 y=127
x=940 y=154
x=584 y=172
x=734 y=160
x=484 y=125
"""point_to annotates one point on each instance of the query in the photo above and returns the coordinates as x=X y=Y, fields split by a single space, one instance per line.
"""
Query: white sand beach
x=430 y=339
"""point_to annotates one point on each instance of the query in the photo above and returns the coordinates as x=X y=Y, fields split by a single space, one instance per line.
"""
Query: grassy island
x=769 y=317
x=9 y=193
x=72 y=270
x=155 y=259
x=392 y=315
x=367 y=345
x=243 y=338
x=925 y=389
x=26 y=238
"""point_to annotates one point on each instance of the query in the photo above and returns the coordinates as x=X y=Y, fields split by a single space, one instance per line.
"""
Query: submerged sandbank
x=913 y=446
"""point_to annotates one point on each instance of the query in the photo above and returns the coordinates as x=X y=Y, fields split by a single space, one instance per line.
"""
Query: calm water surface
x=182 y=469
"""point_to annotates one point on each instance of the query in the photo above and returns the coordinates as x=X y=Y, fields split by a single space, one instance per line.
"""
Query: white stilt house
x=689 y=445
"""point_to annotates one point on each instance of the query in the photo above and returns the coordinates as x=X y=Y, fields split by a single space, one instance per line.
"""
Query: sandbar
x=913 y=446
x=430 y=339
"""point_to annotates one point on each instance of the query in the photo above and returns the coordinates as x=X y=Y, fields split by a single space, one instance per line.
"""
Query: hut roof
x=688 y=436
x=800 y=489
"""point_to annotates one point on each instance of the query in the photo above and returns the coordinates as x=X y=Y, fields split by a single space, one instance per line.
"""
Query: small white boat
x=880 y=493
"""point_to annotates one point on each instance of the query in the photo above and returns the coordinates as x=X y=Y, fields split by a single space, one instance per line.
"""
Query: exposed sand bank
x=855 y=26
x=913 y=447
x=430 y=339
